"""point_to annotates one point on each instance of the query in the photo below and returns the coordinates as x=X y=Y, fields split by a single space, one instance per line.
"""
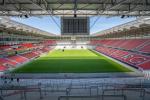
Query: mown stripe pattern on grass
x=71 y=61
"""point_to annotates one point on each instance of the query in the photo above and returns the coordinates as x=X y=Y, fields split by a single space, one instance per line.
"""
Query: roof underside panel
x=82 y=7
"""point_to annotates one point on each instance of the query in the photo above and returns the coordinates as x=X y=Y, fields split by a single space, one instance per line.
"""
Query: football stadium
x=59 y=50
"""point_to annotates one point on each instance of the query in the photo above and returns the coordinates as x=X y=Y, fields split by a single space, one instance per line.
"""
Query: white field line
x=121 y=63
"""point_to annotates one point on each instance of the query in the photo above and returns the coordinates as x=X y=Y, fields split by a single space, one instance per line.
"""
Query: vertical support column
x=24 y=95
x=40 y=91
x=1 y=91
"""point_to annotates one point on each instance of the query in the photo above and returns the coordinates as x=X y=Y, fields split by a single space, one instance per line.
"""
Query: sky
x=48 y=24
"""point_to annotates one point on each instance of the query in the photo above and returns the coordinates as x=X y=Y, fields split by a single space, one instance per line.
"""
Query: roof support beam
x=46 y=9
x=3 y=2
x=75 y=8
x=114 y=5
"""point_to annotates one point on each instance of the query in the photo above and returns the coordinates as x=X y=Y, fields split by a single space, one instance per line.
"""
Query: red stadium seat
x=145 y=49
x=133 y=43
x=135 y=59
x=127 y=44
x=145 y=65
x=30 y=55
x=18 y=59
x=111 y=48
x=5 y=60
x=3 y=68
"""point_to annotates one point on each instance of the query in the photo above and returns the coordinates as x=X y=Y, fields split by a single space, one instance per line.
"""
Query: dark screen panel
x=75 y=26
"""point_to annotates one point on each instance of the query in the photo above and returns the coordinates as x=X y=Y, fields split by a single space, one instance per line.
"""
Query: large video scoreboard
x=75 y=26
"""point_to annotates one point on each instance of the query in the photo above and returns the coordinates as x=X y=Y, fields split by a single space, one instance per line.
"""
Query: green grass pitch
x=71 y=61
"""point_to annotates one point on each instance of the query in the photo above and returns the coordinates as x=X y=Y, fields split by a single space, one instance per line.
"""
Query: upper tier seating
x=132 y=44
x=50 y=42
x=27 y=45
x=4 y=47
x=128 y=44
x=45 y=49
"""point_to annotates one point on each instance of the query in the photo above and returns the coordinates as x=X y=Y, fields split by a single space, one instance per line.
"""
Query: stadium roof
x=140 y=22
x=72 y=7
x=10 y=24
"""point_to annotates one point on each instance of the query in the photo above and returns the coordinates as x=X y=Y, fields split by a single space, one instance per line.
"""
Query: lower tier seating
x=2 y=68
x=18 y=59
x=30 y=55
x=145 y=49
x=17 y=54
x=134 y=59
x=145 y=65
x=5 y=60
